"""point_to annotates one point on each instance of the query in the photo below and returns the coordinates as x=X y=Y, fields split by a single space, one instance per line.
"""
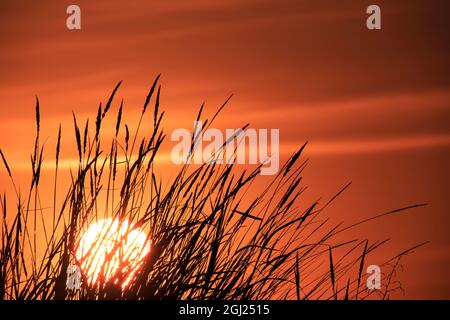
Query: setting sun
x=109 y=248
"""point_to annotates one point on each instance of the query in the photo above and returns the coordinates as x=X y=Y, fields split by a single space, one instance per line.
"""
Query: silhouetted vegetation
x=209 y=238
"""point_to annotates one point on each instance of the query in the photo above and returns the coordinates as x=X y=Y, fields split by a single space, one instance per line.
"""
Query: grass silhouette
x=209 y=238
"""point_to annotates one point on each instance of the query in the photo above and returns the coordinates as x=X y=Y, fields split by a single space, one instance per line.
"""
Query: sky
x=374 y=106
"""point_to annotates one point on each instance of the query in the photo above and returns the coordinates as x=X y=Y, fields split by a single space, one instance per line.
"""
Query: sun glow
x=113 y=251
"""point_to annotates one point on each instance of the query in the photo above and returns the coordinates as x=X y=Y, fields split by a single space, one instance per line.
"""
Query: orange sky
x=374 y=105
